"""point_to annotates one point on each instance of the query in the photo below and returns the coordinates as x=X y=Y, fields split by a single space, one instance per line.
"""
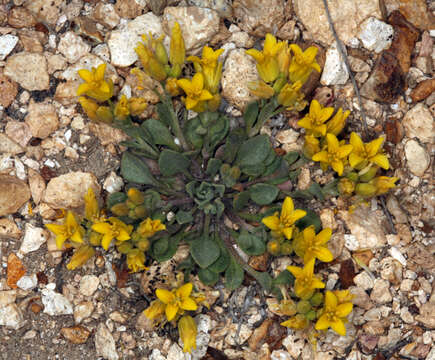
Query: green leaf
x=240 y=200
x=234 y=275
x=234 y=140
x=291 y=157
x=172 y=162
x=284 y=278
x=135 y=170
x=253 y=170
x=213 y=166
x=164 y=248
x=183 y=217
x=160 y=133
x=254 y=151
x=267 y=111
x=250 y=115
x=316 y=190
x=330 y=189
x=251 y=244
x=310 y=219
x=164 y=112
x=264 y=279
x=191 y=133
x=263 y=194
x=115 y=198
x=221 y=263
x=208 y=277
x=204 y=251
x=217 y=132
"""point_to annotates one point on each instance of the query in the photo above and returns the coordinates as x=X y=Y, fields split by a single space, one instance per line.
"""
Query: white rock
x=105 y=344
x=280 y=355
x=221 y=6
x=381 y=292
x=396 y=254
x=351 y=242
x=7 y=44
x=417 y=158
x=113 y=183
x=72 y=46
x=175 y=353
x=363 y=280
x=11 y=317
x=83 y=311
x=34 y=237
x=294 y=344
x=156 y=355
x=89 y=284
x=376 y=35
x=334 y=71
x=288 y=136
x=418 y=122
x=198 y=25
x=122 y=42
x=27 y=282
x=55 y=303
x=7 y=297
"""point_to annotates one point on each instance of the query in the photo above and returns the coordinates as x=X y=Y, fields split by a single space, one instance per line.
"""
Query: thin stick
x=346 y=62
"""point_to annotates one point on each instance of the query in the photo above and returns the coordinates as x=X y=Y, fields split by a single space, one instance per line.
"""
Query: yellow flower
x=343 y=296
x=92 y=210
x=308 y=245
x=136 y=260
x=261 y=89
x=291 y=97
x=69 y=230
x=314 y=121
x=122 y=110
x=137 y=105
x=283 y=57
x=383 y=184
x=80 y=257
x=311 y=146
x=297 y=322
x=171 y=87
x=285 y=223
x=209 y=67
x=305 y=281
x=90 y=107
x=150 y=63
x=196 y=94
x=267 y=64
x=335 y=155
x=187 y=329
x=302 y=63
x=177 y=49
x=155 y=310
x=116 y=229
x=365 y=154
x=148 y=227
x=177 y=300
x=156 y=45
x=336 y=124
x=95 y=86
x=334 y=314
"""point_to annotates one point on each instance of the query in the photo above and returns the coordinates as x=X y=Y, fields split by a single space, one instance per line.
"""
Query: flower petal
x=86 y=75
x=272 y=222
x=186 y=85
x=344 y=309
x=83 y=89
x=56 y=229
x=189 y=304
x=332 y=143
x=381 y=160
x=323 y=237
x=344 y=150
x=338 y=167
x=322 y=156
x=60 y=239
x=257 y=55
x=288 y=232
x=102 y=228
x=205 y=95
x=77 y=237
x=298 y=214
x=330 y=300
x=338 y=327
x=185 y=290
x=295 y=270
x=106 y=240
x=355 y=159
x=171 y=311
x=373 y=147
x=323 y=254
x=287 y=207
x=322 y=323
x=99 y=72
x=165 y=296
x=123 y=235
x=190 y=103
x=356 y=142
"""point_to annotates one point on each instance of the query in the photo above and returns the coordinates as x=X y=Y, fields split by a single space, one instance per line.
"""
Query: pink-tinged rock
x=42 y=119
x=13 y=194
x=8 y=90
x=8 y=146
x=37 y=185
x=19 y=132
x=46 y=10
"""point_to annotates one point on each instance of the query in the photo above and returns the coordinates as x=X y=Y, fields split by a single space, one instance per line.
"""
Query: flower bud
x=303 y=307
x=311 y=146
x=353 y=176
x=177 y=51
x=369 y=174
x=187 y=329
x=136 y=196
x=120 y=209
x=311 y=315
x=140 y=212
x=125 y=247
x=261 y=89
x=137 y=105
x=346 y=187
x=143 y=244
x=287 y=307
x=171 y=87
x=274 y=247
x=286 y=248
x=365 y=190
x=214 y=103
x=317 y=299
x=104 y=114
x=95 y=238
x=80 y=257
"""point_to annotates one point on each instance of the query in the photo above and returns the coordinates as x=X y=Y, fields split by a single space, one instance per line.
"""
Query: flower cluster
x=356 y=163
x=282 y=74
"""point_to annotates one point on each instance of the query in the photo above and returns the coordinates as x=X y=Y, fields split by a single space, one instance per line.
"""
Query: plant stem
x=175 y=124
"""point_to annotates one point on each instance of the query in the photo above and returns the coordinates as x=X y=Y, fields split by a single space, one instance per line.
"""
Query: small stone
x=381 y=292
x=113 y=183
x=304 y=179
x=7 y=44
x=418 y=122
x=414 y=11
x=29 y=70
x=327 y=217
x=55 y=62
x=82 y=311
x=406 y=315
x=427 y=315
x=417 y=158
x=8 y=146
x=122 y=42
x=7 y=297
x=423 y=90
x=294 y=344
x=11 y=317
x=363 y=280
x=391 y=270
x=107 y=134
x=13 y=194
x=89 y=284
x=55 y=303
x=46 y=10
x=223 y=7
x=129 y=9
x=72 y=46
x=118 y=317
x=75 y=334
x=394 y=208
x=239 y=69
x=17 y=131
x=42 y=119
x=20 y=17
x=34 y=237
x=68 y=190
x=37 y=185
x=361 y=298
x=8 y=229
x=106 y=15
x=288 y=136
x=198 y=25
x=8 y=90
x=334 y=71
x=27 y=282
x=376 y=35
x=105 y=344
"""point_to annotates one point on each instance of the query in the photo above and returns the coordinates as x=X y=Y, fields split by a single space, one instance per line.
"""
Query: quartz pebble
x=376 y=35
x=418 y=122
x=105 y=344
x=89 y=284
x=381 y=292
x=334 y=72
x=417 y=158
x=34 y=237
x=7 y=44
x=55 y=303
x=82 y=311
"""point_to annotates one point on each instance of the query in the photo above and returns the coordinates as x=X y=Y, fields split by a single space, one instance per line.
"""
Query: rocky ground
x=50 y=154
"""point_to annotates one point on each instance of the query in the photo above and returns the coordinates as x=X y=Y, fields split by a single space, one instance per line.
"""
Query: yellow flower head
x=177 y=301
x=209 y=67
x=172 y=87
x=155 y=311
x=196 y=94
x=267 y=63
x=283 y=57
x=261 y=89
x=291 y=97
x=365 y=154
x=383 y=184
x=308 y=245
x=343 y=296
x=297 y=322
x=334 y=155
x=285 y=223
x=314 y=121
x=149 y=227
x=177 y=52
x=187 y=329
x=336 y=124
x=80 y=257
x=136 y=260
x=92 y=210
x=311 y=146
x=115 y=229
x=69 y=230
x=137 y=105
x=152 y=66
x=302 y=63
x=95 y=86
x=90 y=107
x=157 y=47
x=122 y=110
x=305 y=281
x=334 y=314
